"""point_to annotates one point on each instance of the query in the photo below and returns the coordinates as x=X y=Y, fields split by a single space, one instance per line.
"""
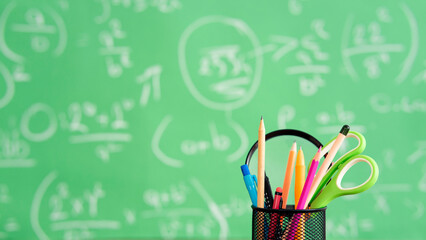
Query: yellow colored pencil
x=299 y=176
x=298 y=187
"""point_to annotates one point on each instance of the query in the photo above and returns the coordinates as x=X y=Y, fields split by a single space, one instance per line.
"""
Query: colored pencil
x=288 y=174
x=309 y=180
x=292 y=226
x=275 y=216
x=299 y=177
x=323 y=169
x=261 y=165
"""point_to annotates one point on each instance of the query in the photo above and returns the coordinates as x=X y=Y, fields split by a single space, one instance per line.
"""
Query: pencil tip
x=317 y=155
x=261 y=117
x=294 y=146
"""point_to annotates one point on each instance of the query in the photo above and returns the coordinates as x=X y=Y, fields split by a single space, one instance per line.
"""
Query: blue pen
x=251 y=184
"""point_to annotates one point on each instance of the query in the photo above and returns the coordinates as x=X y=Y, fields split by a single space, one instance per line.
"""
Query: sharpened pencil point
x=294 y=146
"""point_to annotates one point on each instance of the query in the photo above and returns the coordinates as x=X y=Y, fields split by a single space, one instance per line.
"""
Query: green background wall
x=131 y=118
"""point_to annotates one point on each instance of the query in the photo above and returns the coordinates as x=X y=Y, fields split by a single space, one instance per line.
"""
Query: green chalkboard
x=131 y=118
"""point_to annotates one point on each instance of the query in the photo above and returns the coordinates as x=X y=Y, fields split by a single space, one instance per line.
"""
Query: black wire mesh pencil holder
x=269 y=224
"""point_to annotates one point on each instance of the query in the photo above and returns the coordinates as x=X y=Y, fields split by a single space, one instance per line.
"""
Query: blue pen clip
x=255 y=180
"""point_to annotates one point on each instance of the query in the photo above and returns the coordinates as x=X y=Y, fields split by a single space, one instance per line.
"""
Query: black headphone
x=284 y=132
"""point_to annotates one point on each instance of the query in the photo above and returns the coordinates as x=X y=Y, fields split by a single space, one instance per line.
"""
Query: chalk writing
x=150 y=79
x=20 y=75
x=74 y=214
x=155 y=144
x=420 y=78
x=285 y=114
x=235 y=207
x=311 y=58
x=6 y=95
x=419 y=153
x=422 y=182
x=382 y=204
x=9 y=224
x=137 y=6
x=217 y=142
x=417 y=208
x=174 y=196
x=349 y=226
x=14 y=151
x=43 y=27
x=329 y=121
x=372 y=45
x=85 y=123
x=215 y=139
x=64 y=206
x=116 y=57
x=243 y=144
x=383 y=103
x=27 y=117
x=107 y=129
x=389 y=157
x=295 y=7
x=225 y=78
x=174 y=219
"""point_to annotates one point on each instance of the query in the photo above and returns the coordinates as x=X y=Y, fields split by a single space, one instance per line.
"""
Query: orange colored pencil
x=288 y=175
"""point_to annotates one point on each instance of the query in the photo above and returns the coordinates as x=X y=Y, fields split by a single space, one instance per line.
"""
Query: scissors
x=330 y=186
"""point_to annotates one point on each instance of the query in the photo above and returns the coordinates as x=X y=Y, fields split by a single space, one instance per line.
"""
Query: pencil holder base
x=269 y=224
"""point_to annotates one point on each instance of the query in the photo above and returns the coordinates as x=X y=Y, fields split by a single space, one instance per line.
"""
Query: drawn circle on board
x=38 y=108
x=220 y=62
x=357 y=53
x=9 y=86
x=38 y=26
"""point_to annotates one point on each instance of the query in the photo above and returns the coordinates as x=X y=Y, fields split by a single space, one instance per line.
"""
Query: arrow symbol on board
x=419 y=153
x=150 y=79
x=279 y=47
x=287 y=44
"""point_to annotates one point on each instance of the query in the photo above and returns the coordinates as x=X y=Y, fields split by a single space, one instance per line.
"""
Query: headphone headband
x=284 y=132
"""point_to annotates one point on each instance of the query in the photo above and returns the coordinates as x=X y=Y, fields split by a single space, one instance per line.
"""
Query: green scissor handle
x=334 y=188
x=355 y=151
